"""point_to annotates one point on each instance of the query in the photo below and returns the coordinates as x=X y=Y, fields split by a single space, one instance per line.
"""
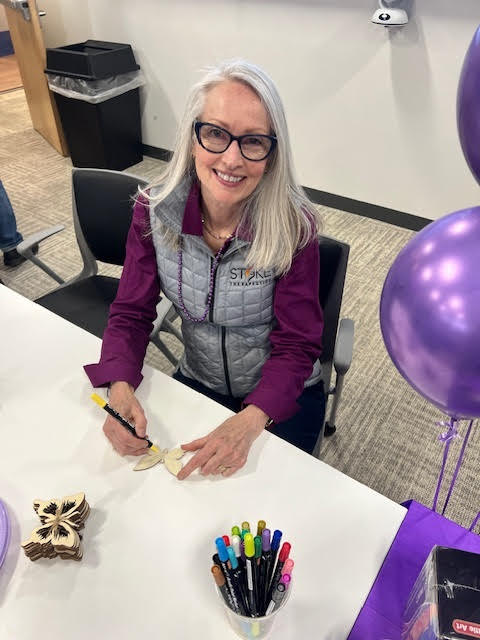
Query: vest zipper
x=210 y=317
x=210 y=311
x=225 y=363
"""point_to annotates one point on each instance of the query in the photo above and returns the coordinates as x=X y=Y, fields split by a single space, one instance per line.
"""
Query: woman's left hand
x=225 y=449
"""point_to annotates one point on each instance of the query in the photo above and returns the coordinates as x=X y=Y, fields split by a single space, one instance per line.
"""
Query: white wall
x=371 y=111
x=3 y=20
x=66 y=22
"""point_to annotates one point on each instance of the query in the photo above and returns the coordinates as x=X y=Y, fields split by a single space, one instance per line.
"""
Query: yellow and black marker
x=103 y=403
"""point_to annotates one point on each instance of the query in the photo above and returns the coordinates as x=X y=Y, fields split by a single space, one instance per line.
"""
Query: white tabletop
x=149 y=538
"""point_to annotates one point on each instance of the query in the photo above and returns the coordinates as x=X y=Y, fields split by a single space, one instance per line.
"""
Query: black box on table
x=444 y=603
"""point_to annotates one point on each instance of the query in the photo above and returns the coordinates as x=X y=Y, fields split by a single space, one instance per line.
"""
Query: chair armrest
x=163 y=307
x=25 y=249
x=35 y=238
x=166 y=314
x=342 y=357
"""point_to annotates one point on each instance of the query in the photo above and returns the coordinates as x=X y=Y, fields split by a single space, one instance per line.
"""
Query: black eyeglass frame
x=198 y=125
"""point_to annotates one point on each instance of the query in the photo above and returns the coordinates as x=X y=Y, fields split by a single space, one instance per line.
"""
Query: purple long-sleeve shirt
x=295 y=338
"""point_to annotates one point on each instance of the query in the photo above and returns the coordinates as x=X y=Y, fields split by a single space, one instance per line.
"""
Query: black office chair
x=102 y=212
x=337 y=336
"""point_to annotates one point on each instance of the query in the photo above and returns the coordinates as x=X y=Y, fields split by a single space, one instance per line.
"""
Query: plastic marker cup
x=256 y=628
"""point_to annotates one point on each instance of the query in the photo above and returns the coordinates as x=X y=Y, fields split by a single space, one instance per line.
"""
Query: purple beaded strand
x=218 y=255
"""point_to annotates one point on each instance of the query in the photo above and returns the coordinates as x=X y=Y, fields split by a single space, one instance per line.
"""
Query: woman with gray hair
x=230 y=238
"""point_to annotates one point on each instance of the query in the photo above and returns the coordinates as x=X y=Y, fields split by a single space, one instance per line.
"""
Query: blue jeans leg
x=9 y=236
x=302 y=430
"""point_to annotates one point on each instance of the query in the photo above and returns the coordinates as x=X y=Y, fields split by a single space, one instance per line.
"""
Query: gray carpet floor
x=387 y=436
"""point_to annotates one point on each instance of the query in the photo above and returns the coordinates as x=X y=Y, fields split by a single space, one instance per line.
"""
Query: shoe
x=13 y=259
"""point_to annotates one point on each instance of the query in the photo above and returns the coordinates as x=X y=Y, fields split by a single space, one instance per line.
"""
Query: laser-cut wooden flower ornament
x=171 y=459
x=58 y=535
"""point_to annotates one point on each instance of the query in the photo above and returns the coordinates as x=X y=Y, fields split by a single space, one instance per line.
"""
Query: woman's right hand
x=122 y=399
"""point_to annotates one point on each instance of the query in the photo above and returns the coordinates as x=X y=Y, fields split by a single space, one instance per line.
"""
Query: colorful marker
x=282 y=556
x=277 y=536
x=265 y=568
x=288 y=566
x=237 y=581
x=129 y=427
x=260 y=527
x=257 y=541
x=222 y=587
x=236 y=540
x=237 y=544
x=249 y=561
x=278 y=595
x=236 y=531
x=286 y=579
x=246 y=526
x=256 y=567
x=223 y=557
x=226 y=540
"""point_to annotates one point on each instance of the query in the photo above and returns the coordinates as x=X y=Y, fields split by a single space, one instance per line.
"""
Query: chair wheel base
x=329 y=430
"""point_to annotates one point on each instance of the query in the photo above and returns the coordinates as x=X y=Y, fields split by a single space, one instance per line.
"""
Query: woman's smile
x=228 y=179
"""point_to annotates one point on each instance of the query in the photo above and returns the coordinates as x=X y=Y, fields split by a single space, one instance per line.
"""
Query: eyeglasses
x=253 y=146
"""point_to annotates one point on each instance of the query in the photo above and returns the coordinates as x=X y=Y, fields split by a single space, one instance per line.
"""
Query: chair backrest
x=333 y=268
x=102 y=211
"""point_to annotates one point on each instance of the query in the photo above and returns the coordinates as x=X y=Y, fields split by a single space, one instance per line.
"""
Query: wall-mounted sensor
x=389 y=16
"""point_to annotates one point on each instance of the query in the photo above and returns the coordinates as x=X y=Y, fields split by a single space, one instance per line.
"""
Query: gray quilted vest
x=225 y=352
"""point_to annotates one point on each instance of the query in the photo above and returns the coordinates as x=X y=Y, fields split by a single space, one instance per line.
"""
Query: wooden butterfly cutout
x=171 y=458
x=58 y=534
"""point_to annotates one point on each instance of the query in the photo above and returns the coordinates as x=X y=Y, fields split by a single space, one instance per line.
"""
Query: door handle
x=18 y=5
x=22 y=6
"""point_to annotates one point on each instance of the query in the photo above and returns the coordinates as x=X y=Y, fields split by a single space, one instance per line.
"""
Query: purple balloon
x=468 y=106
x=430 y=313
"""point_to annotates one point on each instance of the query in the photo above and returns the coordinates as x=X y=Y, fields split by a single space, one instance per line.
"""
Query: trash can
x=96 y=87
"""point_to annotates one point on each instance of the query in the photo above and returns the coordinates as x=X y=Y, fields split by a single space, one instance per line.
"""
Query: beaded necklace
x=216 y=260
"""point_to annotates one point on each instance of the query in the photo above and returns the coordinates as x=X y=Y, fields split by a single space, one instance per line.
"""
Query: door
x=27 y=39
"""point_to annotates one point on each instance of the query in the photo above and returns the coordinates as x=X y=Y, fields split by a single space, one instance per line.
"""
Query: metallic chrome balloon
x=430 y=313
x=468 y=106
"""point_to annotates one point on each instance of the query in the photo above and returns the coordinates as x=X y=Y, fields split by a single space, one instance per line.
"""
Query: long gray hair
x=278 y=214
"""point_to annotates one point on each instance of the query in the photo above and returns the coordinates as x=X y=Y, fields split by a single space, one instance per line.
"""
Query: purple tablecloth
x=381 y=616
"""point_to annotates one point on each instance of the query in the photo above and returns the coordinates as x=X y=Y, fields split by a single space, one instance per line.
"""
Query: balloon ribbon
x=447 y=437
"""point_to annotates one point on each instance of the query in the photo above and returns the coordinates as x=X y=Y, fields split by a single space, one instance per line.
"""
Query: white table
x=149 y=538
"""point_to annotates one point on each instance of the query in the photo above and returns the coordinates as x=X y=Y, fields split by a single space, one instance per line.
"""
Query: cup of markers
x=253 y=575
